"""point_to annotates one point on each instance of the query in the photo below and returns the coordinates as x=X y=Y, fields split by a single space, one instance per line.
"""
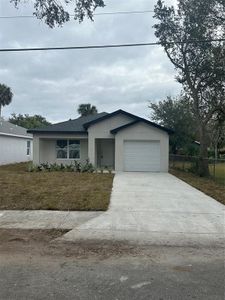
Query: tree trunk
x=0 y=110
x=203 y=166
x=216 y=150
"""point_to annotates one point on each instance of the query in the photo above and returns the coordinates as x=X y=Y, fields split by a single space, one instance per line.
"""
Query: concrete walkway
x=159 y=209
x=44 y=219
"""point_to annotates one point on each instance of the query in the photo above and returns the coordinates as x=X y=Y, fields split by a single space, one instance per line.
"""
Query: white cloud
x=54 y=83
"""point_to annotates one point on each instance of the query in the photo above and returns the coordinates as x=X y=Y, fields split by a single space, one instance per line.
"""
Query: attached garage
x=141 y=146
x=141 y=156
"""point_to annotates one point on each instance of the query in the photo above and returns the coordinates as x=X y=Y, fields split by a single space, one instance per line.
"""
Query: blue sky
x=53 y=84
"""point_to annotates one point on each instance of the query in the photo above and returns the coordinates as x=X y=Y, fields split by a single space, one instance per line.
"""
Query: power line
x=125 y=12
x=107 y=46
x=77 y=47
x=96 y=14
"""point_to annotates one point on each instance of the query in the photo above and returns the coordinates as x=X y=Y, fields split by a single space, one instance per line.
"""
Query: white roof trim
x=17 y=135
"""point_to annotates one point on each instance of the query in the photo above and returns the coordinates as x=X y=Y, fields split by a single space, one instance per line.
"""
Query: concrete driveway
x=159 y=209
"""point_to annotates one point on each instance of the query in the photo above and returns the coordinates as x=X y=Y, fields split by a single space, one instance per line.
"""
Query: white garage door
x=142 y=156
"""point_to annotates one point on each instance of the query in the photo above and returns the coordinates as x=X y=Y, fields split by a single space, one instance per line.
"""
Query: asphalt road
x=158 y=273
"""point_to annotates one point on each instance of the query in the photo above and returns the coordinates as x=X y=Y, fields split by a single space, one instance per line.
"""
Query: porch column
x=92 y=150
x=118 y=153
x=36 y=150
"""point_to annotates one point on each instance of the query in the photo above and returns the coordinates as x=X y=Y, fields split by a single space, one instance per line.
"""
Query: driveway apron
x=156 y=208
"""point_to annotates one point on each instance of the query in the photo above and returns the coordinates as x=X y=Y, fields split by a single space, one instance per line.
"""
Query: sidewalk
x=145 y=208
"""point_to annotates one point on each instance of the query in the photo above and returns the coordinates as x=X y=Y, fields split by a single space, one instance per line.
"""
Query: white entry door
x=143 y=156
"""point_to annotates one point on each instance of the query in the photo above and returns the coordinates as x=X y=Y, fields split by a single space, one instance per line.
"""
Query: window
x=74 y=149
x=28 y=147
x=61 y=149
x=67 y=149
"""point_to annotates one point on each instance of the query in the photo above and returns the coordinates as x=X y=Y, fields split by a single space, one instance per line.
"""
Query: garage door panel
x=142 y=156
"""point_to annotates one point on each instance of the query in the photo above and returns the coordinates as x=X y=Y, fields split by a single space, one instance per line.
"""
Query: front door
x=106 y=153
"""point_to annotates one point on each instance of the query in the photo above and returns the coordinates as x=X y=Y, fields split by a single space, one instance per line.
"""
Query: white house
x=119 y=140
x=16 y=145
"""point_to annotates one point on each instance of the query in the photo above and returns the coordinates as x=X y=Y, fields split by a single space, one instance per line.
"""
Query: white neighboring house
x=16 y=145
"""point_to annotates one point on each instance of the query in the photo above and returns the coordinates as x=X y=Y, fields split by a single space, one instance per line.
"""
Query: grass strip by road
x=206 y=185
x=22 y=190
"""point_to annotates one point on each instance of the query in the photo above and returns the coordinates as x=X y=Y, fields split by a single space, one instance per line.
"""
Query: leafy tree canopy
x=6 y=96
x=216 y=130
x=175 y=113
x=28 y=121
x=56 y=12
x=87 y=109
x=187 y=35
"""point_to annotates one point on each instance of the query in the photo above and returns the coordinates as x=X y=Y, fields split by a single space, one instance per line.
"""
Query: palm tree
x=87 y=109
x=5 y=96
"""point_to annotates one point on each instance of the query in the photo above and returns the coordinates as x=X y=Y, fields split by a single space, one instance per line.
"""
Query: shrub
x=87 y=167
x=56 y=167
x=77 y=166
x=69 y=168
x=45 y=166
x=33 y=168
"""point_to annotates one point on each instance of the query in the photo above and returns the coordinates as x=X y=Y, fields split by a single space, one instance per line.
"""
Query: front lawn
x=216 y=171
x=206 y=185
x=20 y=189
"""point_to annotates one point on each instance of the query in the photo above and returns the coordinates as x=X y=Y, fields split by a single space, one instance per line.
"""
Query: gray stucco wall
x=142 y=132
x=45 y=149
x=102 y=130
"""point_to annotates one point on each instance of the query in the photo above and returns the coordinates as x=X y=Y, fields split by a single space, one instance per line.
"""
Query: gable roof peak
x=114 y=113
x=73 y=126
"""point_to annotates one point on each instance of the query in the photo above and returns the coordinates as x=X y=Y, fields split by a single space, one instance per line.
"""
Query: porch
x=66 y=149
x=60 y=149
x=105 y=153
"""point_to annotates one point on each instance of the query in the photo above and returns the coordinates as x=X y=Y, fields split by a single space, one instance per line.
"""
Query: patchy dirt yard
x=44 y=242
x=23 y=190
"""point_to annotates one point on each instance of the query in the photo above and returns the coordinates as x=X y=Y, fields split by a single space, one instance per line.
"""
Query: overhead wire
x=89 y=47
x=95 y=14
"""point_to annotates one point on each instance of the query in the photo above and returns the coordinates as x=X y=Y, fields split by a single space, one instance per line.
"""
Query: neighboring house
x=118 y=140
x=15 y=143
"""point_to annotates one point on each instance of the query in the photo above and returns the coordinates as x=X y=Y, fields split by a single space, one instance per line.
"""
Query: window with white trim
x=28 y=147
x=67 y=149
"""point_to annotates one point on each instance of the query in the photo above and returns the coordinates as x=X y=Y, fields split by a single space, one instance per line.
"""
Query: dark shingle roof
x=115 y=130
x=81 y=124
x=71 y=126
x=12 y=129
x=135 y=118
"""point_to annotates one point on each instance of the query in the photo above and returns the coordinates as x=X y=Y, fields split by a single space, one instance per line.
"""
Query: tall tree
x=217 y=132
x=28 y=121
x=56 y=13
x=175 y=114
x=6 y=96
x=87 y=109
x=187 y=35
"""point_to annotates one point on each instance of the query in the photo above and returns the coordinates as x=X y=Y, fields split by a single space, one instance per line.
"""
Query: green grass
x=219 y=175
x=206 y=185
x=219 y=172
x=53 y=190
